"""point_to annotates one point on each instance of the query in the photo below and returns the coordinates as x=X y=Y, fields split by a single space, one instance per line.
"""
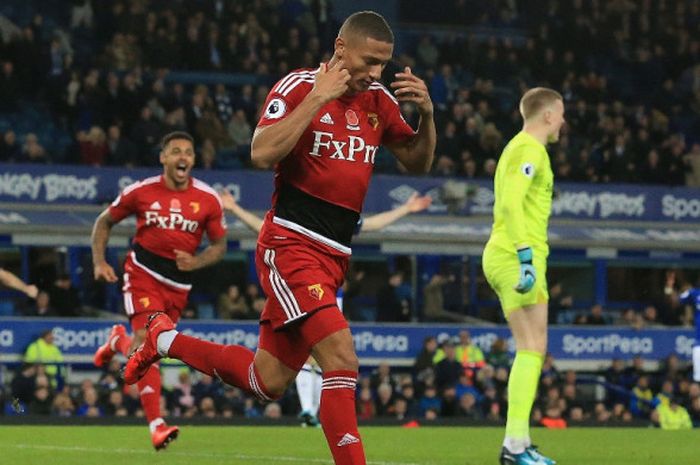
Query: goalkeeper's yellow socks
x=522 y=388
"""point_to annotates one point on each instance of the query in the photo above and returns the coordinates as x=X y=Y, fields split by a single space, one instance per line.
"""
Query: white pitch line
x=251 y=458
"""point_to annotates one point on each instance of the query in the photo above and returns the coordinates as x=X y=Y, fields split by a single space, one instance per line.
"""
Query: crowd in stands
x=628 y=72
x=98 y=84
x=370 y=293
x=453 y=379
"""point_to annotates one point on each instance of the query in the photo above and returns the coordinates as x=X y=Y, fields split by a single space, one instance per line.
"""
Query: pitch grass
x=214 y=445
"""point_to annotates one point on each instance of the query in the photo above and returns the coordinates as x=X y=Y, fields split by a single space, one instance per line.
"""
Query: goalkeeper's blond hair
x=537 y=99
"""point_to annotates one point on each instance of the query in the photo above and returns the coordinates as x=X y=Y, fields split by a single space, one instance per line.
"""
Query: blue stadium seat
x=7 y=308
x=205 y=311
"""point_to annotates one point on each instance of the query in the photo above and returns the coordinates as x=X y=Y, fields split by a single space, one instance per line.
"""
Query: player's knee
x=276 y=395
x=336 y=352
x=270 y=388
x=342 y=359
x=536 y=346
x=276 y=390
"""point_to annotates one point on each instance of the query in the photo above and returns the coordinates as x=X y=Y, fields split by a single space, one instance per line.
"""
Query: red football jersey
x=167 y=219
x=334 y=158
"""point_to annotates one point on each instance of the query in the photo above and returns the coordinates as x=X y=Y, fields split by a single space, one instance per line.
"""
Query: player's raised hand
x=32 y=291
x=331 y=82
x=185 y=261
x=227 y=200
x=417 y=203
x=409 y=88
x=104 y=272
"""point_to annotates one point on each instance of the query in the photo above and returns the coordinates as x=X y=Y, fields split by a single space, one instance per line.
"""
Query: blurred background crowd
x=98 y=84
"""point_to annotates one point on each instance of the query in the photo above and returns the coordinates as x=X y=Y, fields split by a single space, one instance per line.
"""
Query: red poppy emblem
x=351 y=118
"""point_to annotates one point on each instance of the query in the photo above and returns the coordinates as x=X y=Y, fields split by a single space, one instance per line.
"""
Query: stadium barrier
x=397 y=344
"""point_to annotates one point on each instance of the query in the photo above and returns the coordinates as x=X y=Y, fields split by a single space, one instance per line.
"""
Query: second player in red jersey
x=321 y=130
x=173 y=211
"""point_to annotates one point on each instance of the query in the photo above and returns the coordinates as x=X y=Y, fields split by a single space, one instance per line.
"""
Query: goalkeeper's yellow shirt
x=523 y=188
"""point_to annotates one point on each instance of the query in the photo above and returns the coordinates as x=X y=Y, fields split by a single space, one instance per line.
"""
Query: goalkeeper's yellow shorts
x=502 y=271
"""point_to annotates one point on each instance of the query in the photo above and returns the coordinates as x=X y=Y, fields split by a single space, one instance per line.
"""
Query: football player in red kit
x=320 y=129
x=172 y=212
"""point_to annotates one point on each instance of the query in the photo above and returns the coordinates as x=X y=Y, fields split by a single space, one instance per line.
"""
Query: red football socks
x=338 y=417
x=233 y=364
x=122 y=344
x=149 y=389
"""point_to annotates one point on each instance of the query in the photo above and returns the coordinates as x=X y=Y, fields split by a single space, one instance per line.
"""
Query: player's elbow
x=424 y=168
x=421 y=168
x=264 y=155
x=422 y=163
x=217 y=249
x=261 y=164
x=260 y=157
x=418 y=166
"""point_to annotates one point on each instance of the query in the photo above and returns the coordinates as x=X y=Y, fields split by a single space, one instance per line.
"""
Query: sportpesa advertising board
x=78 y=339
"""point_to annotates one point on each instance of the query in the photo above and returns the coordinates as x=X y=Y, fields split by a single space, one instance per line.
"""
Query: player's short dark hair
x=537 y=98
x=368 y=24
x=174 y=136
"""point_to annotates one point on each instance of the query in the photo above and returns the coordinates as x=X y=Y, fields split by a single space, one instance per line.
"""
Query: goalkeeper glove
x=527 y=271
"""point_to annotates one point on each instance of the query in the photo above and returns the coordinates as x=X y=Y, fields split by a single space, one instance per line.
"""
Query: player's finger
x=409 y=98
x=408 y=93
x=402 y=83
x=413 y=86
x=406 y=72
x=408 y=77
x=416 y=85
x=337 y=65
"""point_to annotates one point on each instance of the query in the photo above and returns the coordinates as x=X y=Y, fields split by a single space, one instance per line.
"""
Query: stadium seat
x=205 y=311
x=7 y=308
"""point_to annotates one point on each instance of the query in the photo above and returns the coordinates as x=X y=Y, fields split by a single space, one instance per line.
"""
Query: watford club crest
x=316 y=291
x=145 y=301
x=373 y=120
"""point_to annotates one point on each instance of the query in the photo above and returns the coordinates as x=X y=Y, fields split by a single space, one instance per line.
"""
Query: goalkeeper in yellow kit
x=515 y=259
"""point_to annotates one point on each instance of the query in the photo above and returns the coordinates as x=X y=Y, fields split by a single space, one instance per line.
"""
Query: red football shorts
x=292 y=344
x=145 y=294
x=300 y=278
